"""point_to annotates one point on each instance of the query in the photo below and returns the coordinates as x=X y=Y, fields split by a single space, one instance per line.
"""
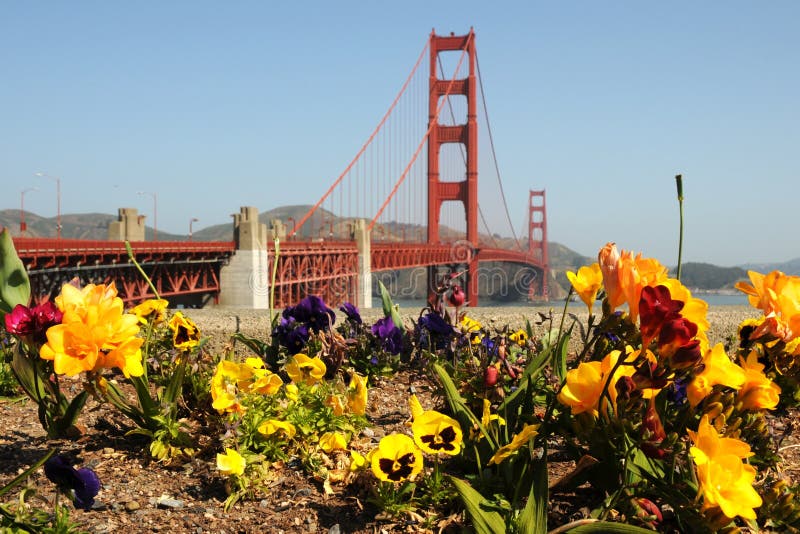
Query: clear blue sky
x=216 y=105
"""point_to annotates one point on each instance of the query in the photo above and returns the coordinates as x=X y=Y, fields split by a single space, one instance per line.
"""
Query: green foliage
x=15 y=288
x=707 y=276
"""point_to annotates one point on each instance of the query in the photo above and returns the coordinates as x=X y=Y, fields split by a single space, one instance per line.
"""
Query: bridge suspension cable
x=424 y=137
x=366 y=145
x=494 y=154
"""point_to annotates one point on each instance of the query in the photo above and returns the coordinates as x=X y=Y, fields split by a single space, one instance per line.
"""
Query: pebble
x=169 y=503
x=132 y=506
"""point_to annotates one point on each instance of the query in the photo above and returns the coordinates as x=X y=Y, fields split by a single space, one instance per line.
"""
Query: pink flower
x=34 y=322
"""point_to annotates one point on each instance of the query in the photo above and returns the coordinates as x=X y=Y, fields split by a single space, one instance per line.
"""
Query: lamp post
x=22 y=225
x=58 y=200
x=155 y=212
x=191 y=221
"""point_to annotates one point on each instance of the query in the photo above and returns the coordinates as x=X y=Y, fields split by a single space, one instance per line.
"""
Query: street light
x=22 y=225
x=192 y=220
x=155 y=212
x=58 y=200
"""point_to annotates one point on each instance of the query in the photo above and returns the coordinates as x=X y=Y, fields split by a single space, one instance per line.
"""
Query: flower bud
x=490 y=376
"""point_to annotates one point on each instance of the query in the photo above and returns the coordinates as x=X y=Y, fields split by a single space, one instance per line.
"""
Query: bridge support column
x=364 y=283
x=129 y=226
x=244 y=282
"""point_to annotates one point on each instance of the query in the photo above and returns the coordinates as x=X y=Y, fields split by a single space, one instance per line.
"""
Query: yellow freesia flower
x=94 y=333
x=357 y=394
x=271 y=426
x=778 y=295
x=718 y=370
x=231 y=463
x=333 y=441
x=150 y=310
x=185 y=334
x=694 y=309
x=725 y=481
x=396 y=458
x=527 y=433
x=584 y=385
x=436 y=433
x=587 y=282
x=758 y=392
x=305 y=370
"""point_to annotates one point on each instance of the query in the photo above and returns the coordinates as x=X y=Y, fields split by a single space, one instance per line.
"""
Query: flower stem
x=139 y=268
x=679 y=184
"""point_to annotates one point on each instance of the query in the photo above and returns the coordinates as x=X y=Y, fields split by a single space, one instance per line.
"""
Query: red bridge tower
x=537 y=239
x=465 y=191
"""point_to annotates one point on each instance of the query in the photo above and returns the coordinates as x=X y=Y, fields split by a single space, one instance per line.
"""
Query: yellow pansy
x=396 y=458
x=272 y=426
x=231 y=463
x=332 y=441
x=305 y=370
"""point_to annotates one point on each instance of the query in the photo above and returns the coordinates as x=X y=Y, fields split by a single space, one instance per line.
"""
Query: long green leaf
x=460 y=410
x=15 y=288
x=608 y=527
x=560 y=355
x=533 y=519
x=25 y=474
x=484 y=521
x=389 y=309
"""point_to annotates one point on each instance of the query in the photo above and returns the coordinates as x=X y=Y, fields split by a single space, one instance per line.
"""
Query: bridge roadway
x=188 y=272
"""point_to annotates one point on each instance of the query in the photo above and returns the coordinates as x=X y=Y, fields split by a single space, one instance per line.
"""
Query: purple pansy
x=391 y=337
x=82 y=485
x=351 y=312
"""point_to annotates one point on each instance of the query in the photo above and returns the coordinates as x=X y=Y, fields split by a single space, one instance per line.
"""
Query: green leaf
x=389 y=309
x=460 y=410
x=533 y=519
x=484 y=521
x=15 y=287
x=608 y=527
x=560 y=355
x=25 y=474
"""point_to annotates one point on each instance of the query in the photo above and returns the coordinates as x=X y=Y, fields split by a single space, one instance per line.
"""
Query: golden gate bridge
x=413 y=185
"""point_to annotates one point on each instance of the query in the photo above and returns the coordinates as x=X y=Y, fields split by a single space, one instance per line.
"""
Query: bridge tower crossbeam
x=537 y=238
x=465 y=191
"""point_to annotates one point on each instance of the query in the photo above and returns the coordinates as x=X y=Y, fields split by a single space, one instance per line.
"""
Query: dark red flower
x=655 y=308
x=675 y=333
x=456 y=297
x=655 y=432
x=24 y=321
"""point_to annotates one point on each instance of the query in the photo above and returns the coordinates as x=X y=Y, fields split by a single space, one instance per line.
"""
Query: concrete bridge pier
x=364 y=280
x=244 y=282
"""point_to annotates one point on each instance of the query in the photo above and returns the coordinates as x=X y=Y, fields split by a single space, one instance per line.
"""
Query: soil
x=140 y=495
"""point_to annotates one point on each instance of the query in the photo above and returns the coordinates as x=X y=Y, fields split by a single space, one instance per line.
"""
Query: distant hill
x=710 y=277
x=791 y=267
x=562 y=258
